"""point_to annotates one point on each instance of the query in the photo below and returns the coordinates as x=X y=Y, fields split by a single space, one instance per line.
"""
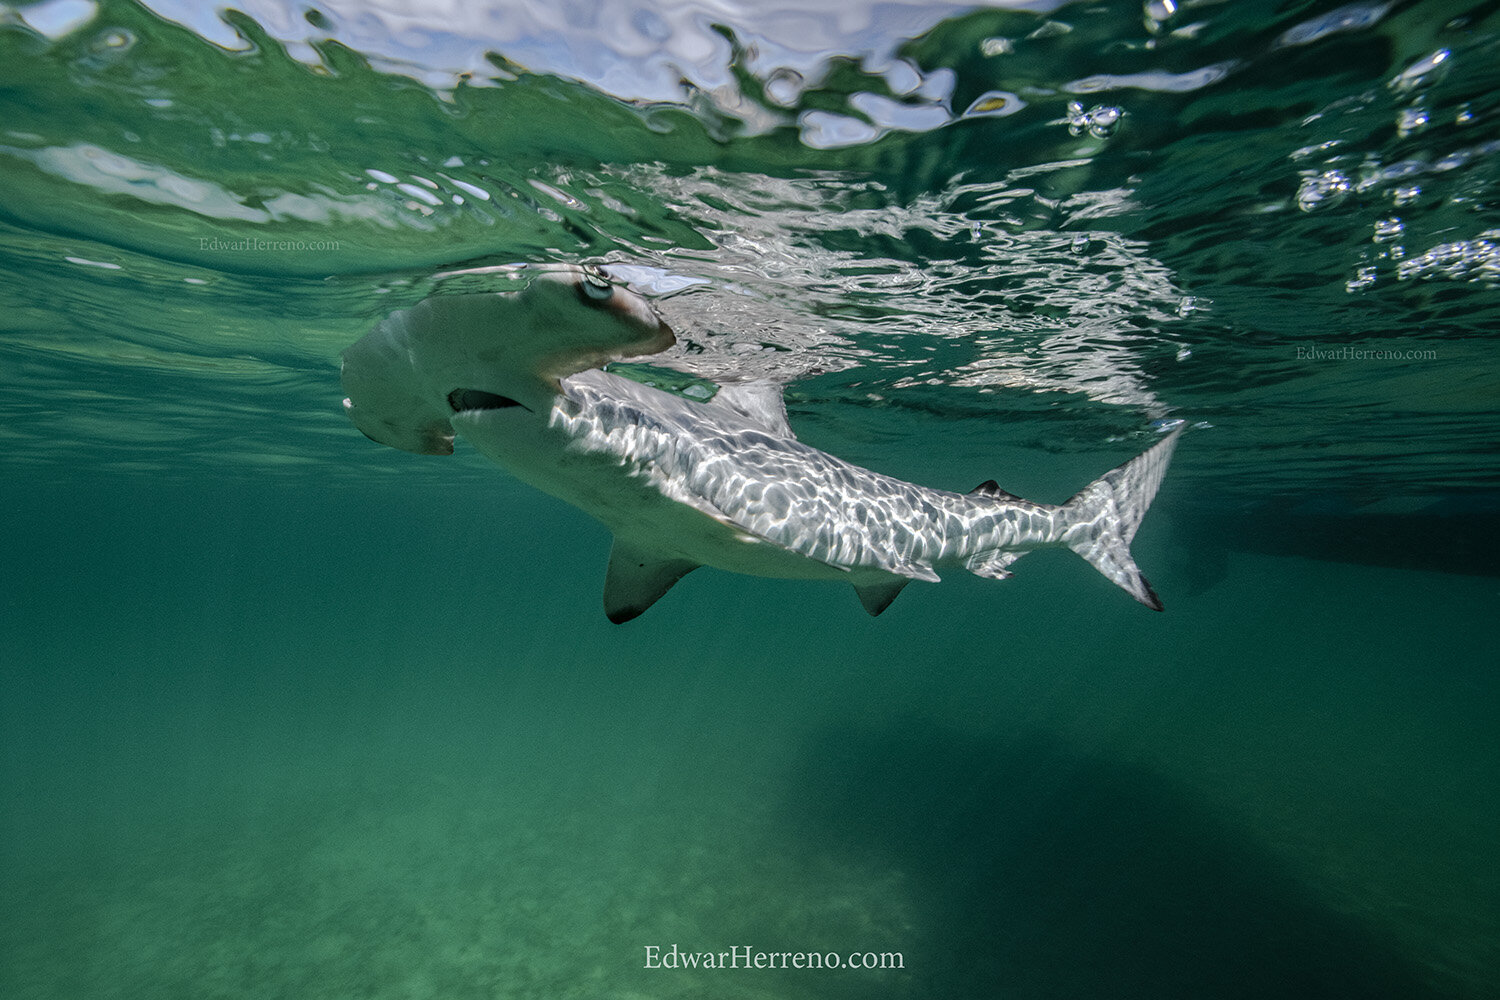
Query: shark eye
x=595 y=288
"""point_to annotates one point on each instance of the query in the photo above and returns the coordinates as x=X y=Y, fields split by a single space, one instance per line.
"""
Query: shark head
x=495 y=350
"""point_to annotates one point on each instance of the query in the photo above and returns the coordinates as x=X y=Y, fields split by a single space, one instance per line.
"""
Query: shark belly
x=626 y=495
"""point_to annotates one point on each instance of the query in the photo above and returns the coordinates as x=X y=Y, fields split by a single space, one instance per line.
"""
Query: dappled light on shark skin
x=684 y=482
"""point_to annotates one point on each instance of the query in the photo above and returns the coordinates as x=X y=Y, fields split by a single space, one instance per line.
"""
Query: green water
x=287 y=714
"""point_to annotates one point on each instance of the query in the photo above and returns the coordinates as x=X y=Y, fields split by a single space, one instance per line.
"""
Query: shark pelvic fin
x=876 y=597
x=637 y=579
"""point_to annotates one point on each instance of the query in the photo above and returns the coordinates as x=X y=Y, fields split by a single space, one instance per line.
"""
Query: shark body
x=682 y=482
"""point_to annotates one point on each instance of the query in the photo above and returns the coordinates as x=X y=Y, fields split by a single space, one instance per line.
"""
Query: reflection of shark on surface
x=683 y=482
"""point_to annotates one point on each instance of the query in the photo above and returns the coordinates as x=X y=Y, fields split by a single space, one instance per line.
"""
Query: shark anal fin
x=637 y=579
x=990 y=488
x=994 y=565
x=876 y=597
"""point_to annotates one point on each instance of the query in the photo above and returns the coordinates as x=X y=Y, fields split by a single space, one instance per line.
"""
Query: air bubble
x=114 y=40
x=1157 y=13
x=784 y=87
x=1405 y=195
x=1419 y=73
x=1326 y=188
x=1411 y=121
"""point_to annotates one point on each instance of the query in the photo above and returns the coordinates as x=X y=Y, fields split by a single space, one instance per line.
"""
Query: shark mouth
x=478 y=399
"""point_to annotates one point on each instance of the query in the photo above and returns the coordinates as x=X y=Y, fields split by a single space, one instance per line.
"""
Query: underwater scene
x=827 y=298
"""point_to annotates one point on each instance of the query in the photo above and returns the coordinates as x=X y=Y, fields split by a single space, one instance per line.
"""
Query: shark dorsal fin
x=990 y=488
x=637 y=579
x=761 y=402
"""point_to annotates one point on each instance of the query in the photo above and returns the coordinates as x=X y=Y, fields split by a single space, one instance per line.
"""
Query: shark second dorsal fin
x=637 y=579
x=990 y=488
x=761 y=402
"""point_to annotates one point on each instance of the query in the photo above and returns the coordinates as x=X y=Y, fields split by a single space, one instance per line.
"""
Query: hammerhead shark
x=682 y=482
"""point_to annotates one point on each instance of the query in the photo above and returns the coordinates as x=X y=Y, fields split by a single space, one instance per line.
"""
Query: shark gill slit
x=479 y=399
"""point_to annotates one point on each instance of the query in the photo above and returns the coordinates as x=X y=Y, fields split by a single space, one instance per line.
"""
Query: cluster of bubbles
x=1099 y=121
x=1476 y=260
x=1392 y=177
x=1321 y=189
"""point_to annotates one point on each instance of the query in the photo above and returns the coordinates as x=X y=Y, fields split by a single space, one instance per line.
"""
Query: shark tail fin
x=1100 y=521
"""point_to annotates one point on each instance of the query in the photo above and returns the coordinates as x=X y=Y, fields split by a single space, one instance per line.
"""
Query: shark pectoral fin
x=876 y=597
x=994 y=565
x=637 y=579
